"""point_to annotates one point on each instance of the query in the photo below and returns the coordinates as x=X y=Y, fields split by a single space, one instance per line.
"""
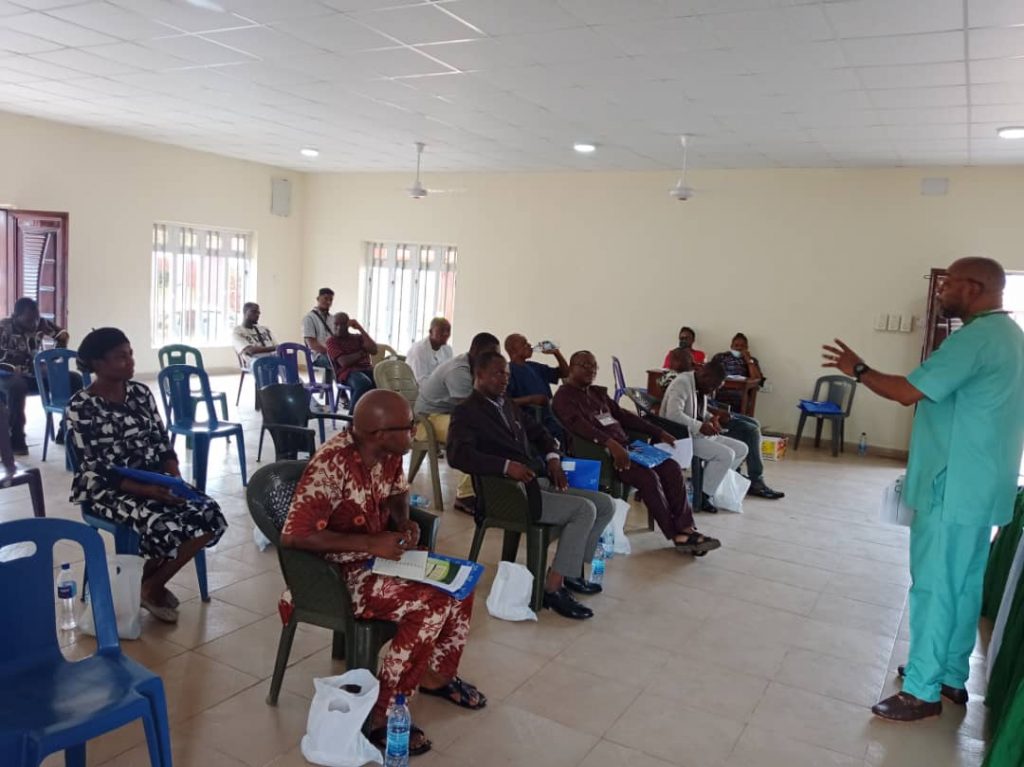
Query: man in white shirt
x=252 y=340
x=686 y=402
x=317 y=327
x=427 y=354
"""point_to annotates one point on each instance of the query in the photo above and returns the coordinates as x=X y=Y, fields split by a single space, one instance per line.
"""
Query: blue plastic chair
x=181 y=354
x=175 y=384
x=126 y=540
x=48 y=704
x=53 y=379
x=289 y=354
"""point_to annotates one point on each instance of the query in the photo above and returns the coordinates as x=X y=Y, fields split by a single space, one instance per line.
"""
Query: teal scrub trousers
x=947 y=568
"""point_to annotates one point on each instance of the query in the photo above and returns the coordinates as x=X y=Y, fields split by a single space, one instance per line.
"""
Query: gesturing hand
x=843 y=357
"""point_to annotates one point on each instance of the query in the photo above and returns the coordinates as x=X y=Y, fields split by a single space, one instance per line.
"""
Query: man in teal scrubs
x=965 y=452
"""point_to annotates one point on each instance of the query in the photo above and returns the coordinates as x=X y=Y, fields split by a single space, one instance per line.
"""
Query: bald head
x=987 y=272
x=972 y=285
x=518 y=348
x=380 y=409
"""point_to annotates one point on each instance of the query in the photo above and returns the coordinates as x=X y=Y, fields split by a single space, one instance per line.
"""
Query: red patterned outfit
x=338 y=492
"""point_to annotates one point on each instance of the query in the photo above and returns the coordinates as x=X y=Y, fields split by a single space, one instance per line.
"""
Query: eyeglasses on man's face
x=411 y=426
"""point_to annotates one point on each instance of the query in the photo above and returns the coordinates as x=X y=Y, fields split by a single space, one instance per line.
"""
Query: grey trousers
x=583 y=515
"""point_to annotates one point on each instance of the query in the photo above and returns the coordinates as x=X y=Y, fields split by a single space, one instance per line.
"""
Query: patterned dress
x=107 y=434
x=338 y=492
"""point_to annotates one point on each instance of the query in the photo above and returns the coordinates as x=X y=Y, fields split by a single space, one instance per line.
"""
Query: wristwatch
x=860 y=369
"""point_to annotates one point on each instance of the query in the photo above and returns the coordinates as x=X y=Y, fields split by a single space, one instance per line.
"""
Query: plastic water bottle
x=607 y=542
x=862 y=445
x=399 y=723
x=66 y=591
x=597 y=565
x=417 y=501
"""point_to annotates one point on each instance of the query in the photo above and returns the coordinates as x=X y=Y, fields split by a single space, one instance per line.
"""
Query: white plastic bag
x=261 y=541
x=510 y=594
x=617 y=527
x=732 y=491
x=334 y=736
x=126 y=589
x=894 y=509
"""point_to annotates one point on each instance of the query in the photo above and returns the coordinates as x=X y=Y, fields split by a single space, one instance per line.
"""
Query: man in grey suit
x=490 y=435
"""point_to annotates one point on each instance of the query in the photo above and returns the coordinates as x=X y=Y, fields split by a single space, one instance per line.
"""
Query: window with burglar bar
x=404 y=287
x=201 y=279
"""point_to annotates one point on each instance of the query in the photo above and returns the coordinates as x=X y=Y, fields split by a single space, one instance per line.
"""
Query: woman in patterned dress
x=115 y=423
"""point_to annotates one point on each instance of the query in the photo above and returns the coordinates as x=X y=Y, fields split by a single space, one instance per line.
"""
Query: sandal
x=160 y=612
x=460 y=692
x=698 y=544
x=170 y=599
x=378 y=736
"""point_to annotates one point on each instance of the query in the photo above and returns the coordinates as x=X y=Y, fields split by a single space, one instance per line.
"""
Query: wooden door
x=35 y=262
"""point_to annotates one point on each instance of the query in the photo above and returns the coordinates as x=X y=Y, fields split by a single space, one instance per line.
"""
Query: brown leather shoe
x=904 y=707
x=956 y=695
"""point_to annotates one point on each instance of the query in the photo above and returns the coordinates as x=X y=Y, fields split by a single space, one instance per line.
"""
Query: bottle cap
x=65 y=566
x=399 y=700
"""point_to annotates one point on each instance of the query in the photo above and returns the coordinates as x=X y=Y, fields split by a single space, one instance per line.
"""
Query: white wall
x=609 y=262
x=114 y=188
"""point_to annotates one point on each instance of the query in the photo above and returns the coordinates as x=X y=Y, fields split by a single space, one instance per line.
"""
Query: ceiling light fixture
x=1014 y=131
x=584 y=148
x=308 y=151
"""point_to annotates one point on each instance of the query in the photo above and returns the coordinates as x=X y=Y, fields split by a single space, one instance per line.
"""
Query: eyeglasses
x=411 y=426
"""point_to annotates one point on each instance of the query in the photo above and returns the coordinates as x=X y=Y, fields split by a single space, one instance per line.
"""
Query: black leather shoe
x=707 y=506
x=904 y=707
x=466 y=505
x=956 y=695
x=761 y=490
x=562 y=602
x=581 y=586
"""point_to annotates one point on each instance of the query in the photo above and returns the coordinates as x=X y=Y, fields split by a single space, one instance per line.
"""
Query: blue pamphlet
x=176 y=485
x=582 y=473
x=457 y=577
x=819 y=408
x=646 y=455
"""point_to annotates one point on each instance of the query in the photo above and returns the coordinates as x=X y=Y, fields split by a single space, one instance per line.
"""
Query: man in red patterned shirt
x=352 y=504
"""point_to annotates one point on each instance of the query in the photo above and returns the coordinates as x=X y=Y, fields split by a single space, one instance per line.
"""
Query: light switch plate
x=882 y=322
x=894 y=322
x=906 y=323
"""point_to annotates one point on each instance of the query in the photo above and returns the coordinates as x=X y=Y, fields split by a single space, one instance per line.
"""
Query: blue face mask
x=735 y=353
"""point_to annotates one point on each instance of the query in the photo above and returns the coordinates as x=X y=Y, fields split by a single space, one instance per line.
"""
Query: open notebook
x=457 y=577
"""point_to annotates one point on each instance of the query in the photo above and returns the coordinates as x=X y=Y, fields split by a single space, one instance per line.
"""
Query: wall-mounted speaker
x=280 y=197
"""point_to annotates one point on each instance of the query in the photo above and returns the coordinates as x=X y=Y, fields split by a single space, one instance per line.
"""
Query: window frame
x=214 y=257
x=397 y=298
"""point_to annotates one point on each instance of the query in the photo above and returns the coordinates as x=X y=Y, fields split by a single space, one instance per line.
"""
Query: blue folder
x=813 y=407
x=582 y=473
x=177 y=485
x=646 y=455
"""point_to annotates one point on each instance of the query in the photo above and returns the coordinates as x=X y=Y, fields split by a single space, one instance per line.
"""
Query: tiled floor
x=765 y=653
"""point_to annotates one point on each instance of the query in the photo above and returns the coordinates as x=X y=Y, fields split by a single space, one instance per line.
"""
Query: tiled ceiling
x=511 y=84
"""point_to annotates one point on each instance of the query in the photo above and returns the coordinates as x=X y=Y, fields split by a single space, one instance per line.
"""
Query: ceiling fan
x=417 y=191
x=682 y=191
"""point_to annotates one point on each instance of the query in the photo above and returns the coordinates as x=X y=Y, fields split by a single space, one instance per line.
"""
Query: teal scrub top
x=965 y=447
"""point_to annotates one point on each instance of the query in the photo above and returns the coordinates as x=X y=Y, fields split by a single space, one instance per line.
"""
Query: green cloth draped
x=1007 y=748
x=1005 y=696
x=1000 y=559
